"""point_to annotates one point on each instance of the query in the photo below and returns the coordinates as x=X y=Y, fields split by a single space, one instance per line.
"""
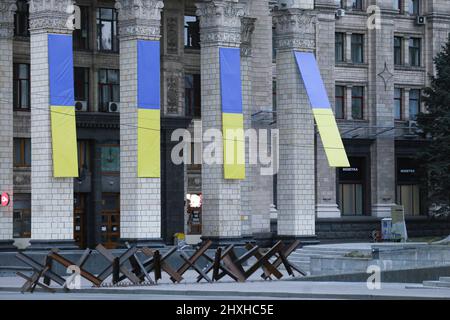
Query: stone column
x=381 y=97
x=51 y=198
x=295 y=30
x=140 y=198
x=220 y=26
x=326 y=204
x=262 y=92
x=7 y=9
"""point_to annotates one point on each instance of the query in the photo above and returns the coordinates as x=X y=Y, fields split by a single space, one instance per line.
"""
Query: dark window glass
x=398 y=52
x=415 y=52
x=357 y=4
x=108 y=88
x=191 y=32
x=398 y=5
x=107 y=39
x=414 y=7
x=357 y=102
x=81 y=78
x=352 y=182
x=398 y=103
x=22 y=152
x=340 y=101
x=81 y=35
x=357 y=48
x=83 y=156
x=110 y=159
x=339 y=47
x=21 y=19
x=414 y=103
x=21 y=86
x=192 y=96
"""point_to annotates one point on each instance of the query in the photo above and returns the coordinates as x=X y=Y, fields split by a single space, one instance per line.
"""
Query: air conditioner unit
x=80 y=105
x=114 y=107
x=421 y=20
x=340 y=13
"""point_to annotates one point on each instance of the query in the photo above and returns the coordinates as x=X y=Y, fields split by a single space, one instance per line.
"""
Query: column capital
x=220 y=22
x=51 y=16
x=295 y=29
x=247 y=28
x=7 y=9
x=140 y=18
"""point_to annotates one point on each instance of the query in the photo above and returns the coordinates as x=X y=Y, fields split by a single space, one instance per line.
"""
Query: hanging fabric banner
x=149 y=129
x=62 y=106
x=232 y=117
x=323 y=114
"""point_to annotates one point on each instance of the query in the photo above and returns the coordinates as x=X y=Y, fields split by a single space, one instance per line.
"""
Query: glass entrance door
x=110 y=220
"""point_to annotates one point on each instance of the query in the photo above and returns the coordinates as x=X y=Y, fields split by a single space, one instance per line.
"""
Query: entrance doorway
x=110 y=220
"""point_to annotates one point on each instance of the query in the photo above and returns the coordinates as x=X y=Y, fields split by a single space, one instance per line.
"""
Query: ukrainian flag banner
x=62 y=106
x=232 y=117
x=323 y=114
x=149 y=128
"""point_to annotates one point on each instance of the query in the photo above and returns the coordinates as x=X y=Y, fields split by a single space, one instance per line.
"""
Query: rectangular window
x=340 y=3
x=192 y=95
x=108 y=88
x=83 y=156
x=81 y=86
x=398 y=103
x=21 y=86
x=397 y=5
x=110 y=159
x=21 y=19
x=357 y=103
x=339 y=47
x=408 y=187
x=191 y=32
x=22 y=152
x=357 y=4
x=81 y=35
x=22 y=215
x=398 y=51
x=414 y=7
x=414 y=103
x=107 y=39
x=352 y=182
x=340 y=102
x=415 y=52
x=357 y=48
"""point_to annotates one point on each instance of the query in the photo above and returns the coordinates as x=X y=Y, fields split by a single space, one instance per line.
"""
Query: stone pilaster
x=220 y=26
x=381 y=97
x=247 y=28
x=140 y=198
x=326 y=204
x=51 y=198
x=295 y=30
x=7 y=9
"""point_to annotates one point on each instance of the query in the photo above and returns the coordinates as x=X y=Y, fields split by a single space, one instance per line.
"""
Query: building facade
x=374 y=56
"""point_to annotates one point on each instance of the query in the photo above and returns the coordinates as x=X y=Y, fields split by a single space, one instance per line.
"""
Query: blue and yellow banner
x=148 y=96
x=232 y=116
x=62 y=106
x=321 y=107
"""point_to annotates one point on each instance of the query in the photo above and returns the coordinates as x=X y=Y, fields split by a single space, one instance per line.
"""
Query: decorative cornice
x=220 y=22
x=52 y=15
x=247 y=28
x=7 y=9
x=139 y=18
x=295 y=29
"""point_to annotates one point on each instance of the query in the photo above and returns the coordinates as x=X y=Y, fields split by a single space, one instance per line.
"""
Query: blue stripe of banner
x=230 y=79
x=60 y=60
x=148 y=55
x=312 y=80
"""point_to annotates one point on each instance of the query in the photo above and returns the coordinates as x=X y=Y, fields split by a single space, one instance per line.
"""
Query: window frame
x=24 y=146
x=188 y=35
x=398 y=51
x=22 y=19
x=193 y=110
x=102 y=105
x=401 y=101
x=85 y=83
x=414 y=7
x=17 y=87
x=85 y=26
x=355 y=45
x=339 y=98
x=357 y=5
x=341 y=46
x=418 y=100
x=415 y=49
x=359 y=98
x=114 y=30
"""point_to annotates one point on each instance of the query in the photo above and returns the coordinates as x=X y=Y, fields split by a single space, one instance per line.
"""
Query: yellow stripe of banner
x=331 y=138
x=64 y=142
x=149 y=143
x=233 y=146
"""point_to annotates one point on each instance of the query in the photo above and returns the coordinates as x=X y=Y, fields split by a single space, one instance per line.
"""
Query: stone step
x=436 y=284
x=444 y=279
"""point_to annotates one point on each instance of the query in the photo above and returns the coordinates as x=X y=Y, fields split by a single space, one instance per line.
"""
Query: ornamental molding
x=139 y=18
x=7 y=10
x=220 y=13
x=295 y=28
x=57 y=15
x=247 y=29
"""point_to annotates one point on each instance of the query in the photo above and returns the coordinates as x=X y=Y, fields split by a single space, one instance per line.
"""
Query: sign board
x=5 y=199
x=398 y=223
